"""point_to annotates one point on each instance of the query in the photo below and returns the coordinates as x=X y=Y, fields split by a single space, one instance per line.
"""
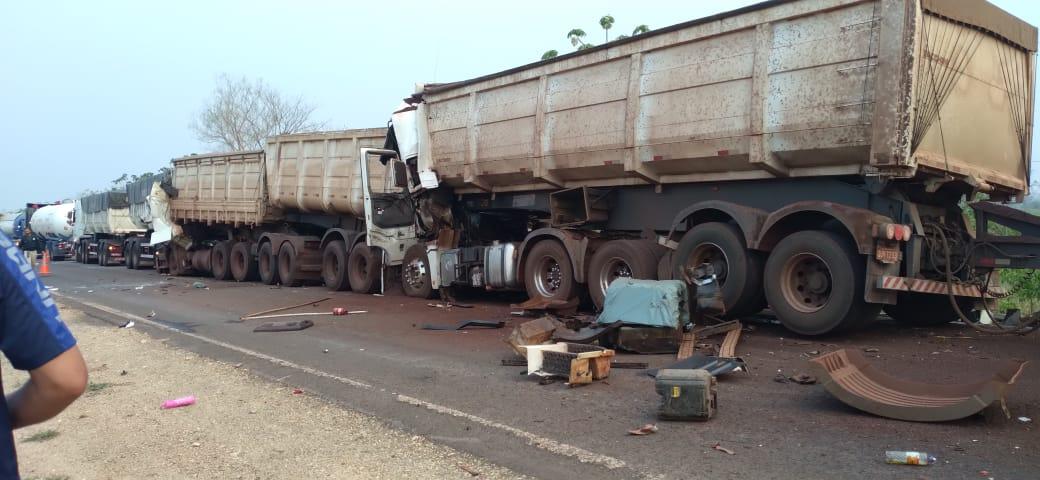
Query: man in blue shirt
x=33 y=338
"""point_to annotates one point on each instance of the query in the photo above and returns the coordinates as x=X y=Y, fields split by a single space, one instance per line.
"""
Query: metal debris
x=644 y=430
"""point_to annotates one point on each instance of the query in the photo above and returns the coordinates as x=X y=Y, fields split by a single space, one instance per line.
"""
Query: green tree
x=641 y=29
x=606 y=22
x=550 y=54
x=577 y=38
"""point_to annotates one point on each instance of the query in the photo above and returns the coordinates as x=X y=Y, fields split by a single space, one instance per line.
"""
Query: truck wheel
x=243 y=265
x=220 y=261
x=619 y=259
x=267 y=264
x=102 y=257
x=815 y=282
x=926 y=309
x=363 y=268
x=548 y=272
x=737 y=269
x=288 y=269
x=415 y=273
x=136 y=256
x=128 y=253
x=334 y=266
x=78 y=254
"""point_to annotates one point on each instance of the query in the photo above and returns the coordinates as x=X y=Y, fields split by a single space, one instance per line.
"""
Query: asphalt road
x=450 y=387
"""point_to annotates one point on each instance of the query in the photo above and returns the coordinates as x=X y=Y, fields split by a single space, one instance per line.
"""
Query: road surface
x=449 y=386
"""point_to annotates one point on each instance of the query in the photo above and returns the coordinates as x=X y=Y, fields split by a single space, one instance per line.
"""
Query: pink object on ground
x=179 y=402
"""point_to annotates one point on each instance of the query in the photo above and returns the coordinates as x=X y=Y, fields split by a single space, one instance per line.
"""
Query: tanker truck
x=54 y=225
x=102 y=224
x=814 y=154
x=291 y=213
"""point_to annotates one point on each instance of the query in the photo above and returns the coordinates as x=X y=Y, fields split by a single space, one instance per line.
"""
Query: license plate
x=887 y=254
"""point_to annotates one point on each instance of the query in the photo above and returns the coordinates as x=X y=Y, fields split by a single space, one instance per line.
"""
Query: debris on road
x=803 y=379
x=1025 y=419
x=560 y=307
x=714 y=365
x=719 y=447
x=128 y=324
x=909 y=458
x=198 y=285
x=630 y=365
x=290 y=326
x=686 y=394
x=534 y=332
x=151 y=314
x=644 y=430
x=514 y=362
x=469 y=470
x=871 y=350
x=297 y=391
x=336 y=312
x=648 y=303
x=179 y=402
x=580 y=364
x=586 y=335
x=847 y=375
x=465 y=324
x=282 y=309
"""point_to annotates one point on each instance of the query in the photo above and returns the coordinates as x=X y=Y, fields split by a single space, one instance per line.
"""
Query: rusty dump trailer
x=814 y=152
x=289 y=214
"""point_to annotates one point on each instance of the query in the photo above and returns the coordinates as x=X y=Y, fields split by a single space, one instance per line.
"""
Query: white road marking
x=544 y=443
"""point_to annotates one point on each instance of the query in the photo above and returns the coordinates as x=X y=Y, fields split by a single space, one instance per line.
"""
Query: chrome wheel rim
x=548 y=277
x=712 y=254
x=614 y=269
x=415 y=274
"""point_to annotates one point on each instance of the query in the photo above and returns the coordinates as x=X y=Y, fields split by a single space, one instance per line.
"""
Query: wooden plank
x=689 y=340
x=729 y=344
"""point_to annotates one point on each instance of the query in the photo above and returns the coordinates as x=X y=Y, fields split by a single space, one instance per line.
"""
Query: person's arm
x=51 y=387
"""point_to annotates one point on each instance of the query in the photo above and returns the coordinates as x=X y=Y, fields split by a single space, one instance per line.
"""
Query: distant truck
x=150 y=211
x=12 y=223
x=292 y=213
x=54 y=225
x=813 y=153
x=102 y=227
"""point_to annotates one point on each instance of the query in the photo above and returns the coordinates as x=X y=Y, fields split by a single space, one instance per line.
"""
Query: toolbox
x=687 y=394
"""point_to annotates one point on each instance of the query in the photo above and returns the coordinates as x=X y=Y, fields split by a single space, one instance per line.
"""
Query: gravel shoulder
x=241 y=427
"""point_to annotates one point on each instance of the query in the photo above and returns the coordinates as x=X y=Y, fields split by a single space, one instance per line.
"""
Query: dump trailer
x=812 y=153
x=54 y=225
x=149 y=211
x=292 y=213
x=102 y=226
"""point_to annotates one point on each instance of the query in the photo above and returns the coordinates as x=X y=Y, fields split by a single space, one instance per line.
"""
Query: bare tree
x=241 y=114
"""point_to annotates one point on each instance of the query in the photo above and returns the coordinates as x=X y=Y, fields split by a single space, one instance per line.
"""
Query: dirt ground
x=241 y=427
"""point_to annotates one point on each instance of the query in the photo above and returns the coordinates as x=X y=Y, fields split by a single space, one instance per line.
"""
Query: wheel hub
x=614 y=269
x=711 y=254
x=415 y=274
x=806 y=282
x=550 y=278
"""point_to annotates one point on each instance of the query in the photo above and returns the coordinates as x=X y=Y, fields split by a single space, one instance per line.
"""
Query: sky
x=91 y=90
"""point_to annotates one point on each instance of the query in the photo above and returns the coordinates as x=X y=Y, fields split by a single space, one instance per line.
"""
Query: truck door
x=389 y=207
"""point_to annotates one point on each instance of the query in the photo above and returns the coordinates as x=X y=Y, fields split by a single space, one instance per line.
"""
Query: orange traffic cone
x=45 y=269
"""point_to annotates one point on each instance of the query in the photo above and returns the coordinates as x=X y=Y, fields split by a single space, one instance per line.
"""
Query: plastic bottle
x=179 y=402
x=909 y=458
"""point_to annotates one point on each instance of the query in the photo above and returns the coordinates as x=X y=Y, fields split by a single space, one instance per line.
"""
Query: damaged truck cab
x=816 y=153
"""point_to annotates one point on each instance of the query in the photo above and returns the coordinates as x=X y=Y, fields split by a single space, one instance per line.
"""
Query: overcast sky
x=92 y=89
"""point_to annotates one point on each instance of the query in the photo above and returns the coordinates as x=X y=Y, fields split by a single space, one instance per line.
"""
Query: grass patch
x=42 y=436
x=93 y=388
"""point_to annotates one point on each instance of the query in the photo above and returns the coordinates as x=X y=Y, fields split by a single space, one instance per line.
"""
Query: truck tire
x=927 y=309
x=288 y=267
x=220 y=261
x=334 y=266
x=102 y=253
x=267 y=264
x=815 y=281
x=243 y=265
x=738 y=270
x=548 y=272
x=364 y=266
x=128 y=252
x=136 y=255
x=78 y=254
x=415 y=273
x=616 y=259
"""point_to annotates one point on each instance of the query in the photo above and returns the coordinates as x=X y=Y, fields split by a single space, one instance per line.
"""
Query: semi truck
x=149 y=211
x=289 y=214
x=12 y=223
x=815 y=154
x=54 y=225
x=102 y=225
